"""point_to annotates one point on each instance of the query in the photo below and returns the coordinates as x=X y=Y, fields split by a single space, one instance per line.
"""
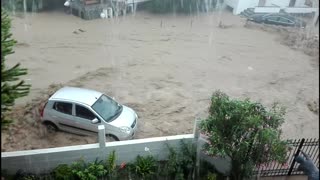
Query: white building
x=273 y=6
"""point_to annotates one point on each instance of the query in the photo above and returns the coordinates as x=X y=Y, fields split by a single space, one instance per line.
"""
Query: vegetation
x=144 y=167
x=11 y=86
x=111 y=164
x=181 y=164
x=245 y=131
x=63 y=172
x=180 y=6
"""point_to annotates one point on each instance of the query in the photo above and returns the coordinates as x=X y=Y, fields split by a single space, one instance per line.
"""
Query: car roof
x=75 y=94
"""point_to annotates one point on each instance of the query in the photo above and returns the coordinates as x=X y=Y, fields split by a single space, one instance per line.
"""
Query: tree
x=246 y=132
x=11 y=87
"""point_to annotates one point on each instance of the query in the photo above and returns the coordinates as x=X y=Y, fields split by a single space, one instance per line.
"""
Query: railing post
x=294 y=159
x=196 y=133
x=102 y=136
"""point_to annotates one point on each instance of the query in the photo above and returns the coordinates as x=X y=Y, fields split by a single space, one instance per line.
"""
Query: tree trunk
x=236 y=171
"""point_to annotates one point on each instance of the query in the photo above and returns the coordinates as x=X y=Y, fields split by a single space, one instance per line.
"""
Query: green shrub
x=89 y=171
x=245 y=131
x=144 y=167
x=111 y=164
x=63 y=172
x=181 y=164
x=21 y=175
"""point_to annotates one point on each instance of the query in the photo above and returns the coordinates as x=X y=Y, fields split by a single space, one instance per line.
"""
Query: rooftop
x=85 y=96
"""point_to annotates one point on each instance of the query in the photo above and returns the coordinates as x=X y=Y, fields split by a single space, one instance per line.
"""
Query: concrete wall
x=302 y=10
x=44 y=160
x=244 y=4
x=231 y=3
x=285 y=3
x=267 y=9
x=281 y=3
x=300 y=3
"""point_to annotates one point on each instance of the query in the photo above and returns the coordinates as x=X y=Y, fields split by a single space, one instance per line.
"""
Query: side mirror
x=95 y=121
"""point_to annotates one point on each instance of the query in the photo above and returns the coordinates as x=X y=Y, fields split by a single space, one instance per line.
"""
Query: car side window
x=273 y=18
x=63 y=107
x=285 y=20
x=84 y=112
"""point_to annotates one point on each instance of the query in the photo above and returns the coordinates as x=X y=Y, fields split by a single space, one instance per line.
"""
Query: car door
x=83 y=117
x=286 y=22
x=272 y=20
x=62 y=114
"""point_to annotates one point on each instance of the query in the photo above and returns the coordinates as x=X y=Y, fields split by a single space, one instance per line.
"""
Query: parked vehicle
x=80 y=111
x=277 y=19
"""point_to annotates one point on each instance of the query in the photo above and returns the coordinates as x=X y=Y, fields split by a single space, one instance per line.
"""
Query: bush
x=63 y=172
x=245 y=131
x=181 y=164
x=21 y=175
x=89 y=171
x=144 y=167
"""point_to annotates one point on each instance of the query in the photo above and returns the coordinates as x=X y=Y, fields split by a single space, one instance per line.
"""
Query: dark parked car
x=277 y=19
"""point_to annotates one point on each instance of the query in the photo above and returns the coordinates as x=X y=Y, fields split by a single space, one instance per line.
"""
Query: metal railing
x=309 y=146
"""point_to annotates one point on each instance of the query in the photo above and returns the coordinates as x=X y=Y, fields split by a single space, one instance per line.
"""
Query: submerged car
x=80 y=111
x=277 y=19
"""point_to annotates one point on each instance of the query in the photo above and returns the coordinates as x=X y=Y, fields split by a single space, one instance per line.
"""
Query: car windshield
x=107 y=108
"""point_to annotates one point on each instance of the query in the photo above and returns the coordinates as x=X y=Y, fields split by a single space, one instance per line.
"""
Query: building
x=274 y=6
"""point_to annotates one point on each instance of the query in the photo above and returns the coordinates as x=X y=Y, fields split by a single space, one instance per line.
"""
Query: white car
x=80 y=111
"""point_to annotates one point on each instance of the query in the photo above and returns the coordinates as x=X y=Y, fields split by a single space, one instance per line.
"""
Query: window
x=63 y=107
x=107 y=108
x=84 y=113
x=273 y=18
x=285 y=20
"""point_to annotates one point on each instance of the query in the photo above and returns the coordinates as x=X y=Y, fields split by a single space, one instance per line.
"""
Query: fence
x=309 y=146
x=44 y=160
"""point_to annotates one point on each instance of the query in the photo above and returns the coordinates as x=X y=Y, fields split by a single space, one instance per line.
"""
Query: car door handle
x=55 y=116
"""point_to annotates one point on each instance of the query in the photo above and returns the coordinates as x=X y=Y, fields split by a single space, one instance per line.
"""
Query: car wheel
x=111 y=138
x=51 y=128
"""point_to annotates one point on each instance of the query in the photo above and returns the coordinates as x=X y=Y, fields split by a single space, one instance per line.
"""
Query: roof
x=85 y=96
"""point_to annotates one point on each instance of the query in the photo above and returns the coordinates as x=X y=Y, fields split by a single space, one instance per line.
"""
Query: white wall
x=240 y=5
x=244 y=4
x=231 y=3
x=281 y=3
x=44 y=160
x=267 y=9
x=298 y=10
x=300 y=3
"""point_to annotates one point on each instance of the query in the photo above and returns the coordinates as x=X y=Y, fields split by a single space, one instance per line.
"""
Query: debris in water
x=313 y=107
x=224 y=26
